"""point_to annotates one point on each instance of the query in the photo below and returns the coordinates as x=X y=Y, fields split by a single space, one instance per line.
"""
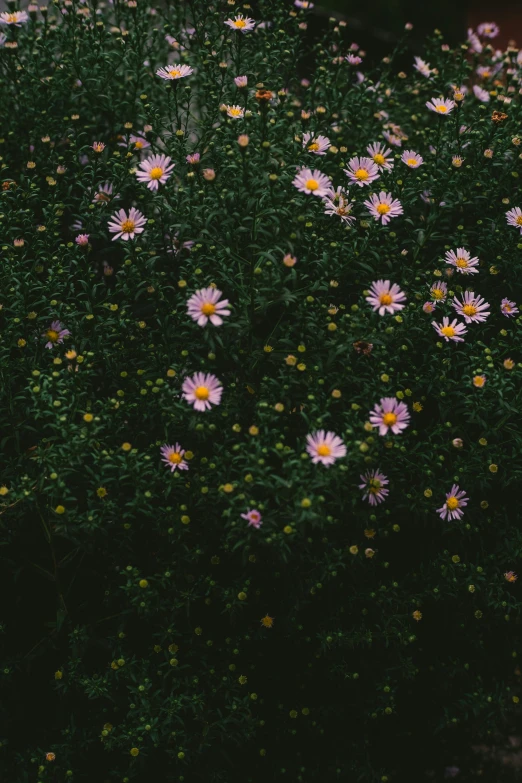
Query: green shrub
x=292 y=583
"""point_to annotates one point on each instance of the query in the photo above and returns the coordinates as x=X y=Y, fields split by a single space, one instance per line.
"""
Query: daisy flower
x=440 y=105
x=429 y=307
x=474 y=41
x=316 y=144
x=450 y=331
x=306 y=4
x=340 y=207
x=193 y=159
x=422 y=67
x=98 y=146
x=126 y=226
x=389 y=414
x=244 y=25
x=104 y=194
x=155 y=171
x=325 y=447
x=455 y=502
x=383 y=207
x=380 y=156
x=235 y=112
x=508 y=308
x=488 y=29
x=462 y=261
x=362 y=171
x=82 y=240
x=17 y=18
x=314 y=182
x=204 y=306
x=514 y=218
x=373 y=484
x=457 y=161
x=392 y=138
x=479 y=381
x=253 y=517
x=386 y=298
x=472 y=308
x=353 y=59
x=412 y=159
x=173 y=457
x=202 y=390
x=481 y=94
x=174 y=71
x=439 y=291
x=55 y=334
x=241 y=81
x=138 y=142
x=510 y=576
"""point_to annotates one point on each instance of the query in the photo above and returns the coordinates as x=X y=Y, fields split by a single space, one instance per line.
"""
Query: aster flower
x=389 y=414
x=392 y=138
x=202 y=390
x=305 y=4
x=362 y=171
x=439 y=291
x=316 y=144
x=456 y=500
x=104 y=194
x=241 y=23
x=173 y=457
x=510 y=576
x=353 y=59
x=98 y=146
x=380 y=156
x=422 y=67
x=193 y=159
x=138 y=142
x=479 y=381
x=514 y=218
x=481 y=94
x=127 y=226
x=204 y=306
x=174 y=71
x=472 y=308
x=373 y=485
x=383 y=207
x=450 y=331
x=340 y=207
x=235 y=112
x=457 y=161
x=474 y=41
x=508 y=308
x=55 y=334
x=325 y=447
x=488 y=30
x=412 y=159
x=386 y=298
x=253 y=517
x=82 y=240
x=429 y=307
x=441 y=105
x=16 y=18
x=462 y=261
x=155 y=170
x=241 y=81
x=314 y=182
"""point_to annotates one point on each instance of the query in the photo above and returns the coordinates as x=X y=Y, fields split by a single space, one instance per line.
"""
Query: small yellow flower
x=354 y=549
x=306 y=503
x=171 y=373
x=268 y=349
x=267 y=621
x=336 y=394
x=60 y=510
x=126 y=446
x=22 y=343
x=279 y=407
x=242 y=596
x=143 y=583
x=253 y=430
x=101 y=492
x=493 y=468
x=88 y=417
x=70 y=354
x=455 y=559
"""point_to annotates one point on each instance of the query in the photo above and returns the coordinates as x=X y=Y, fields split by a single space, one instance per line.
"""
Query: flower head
x=174 y=71
x=235 y=112
x=193 y=159
x=325 y=447
x=155 y=171
x=441 y=105
x=202 y=390
x=253 y=517
x=457 y=161
x=244 y=25
x=362 y=171
x=462 y=261
x=383 y=207
x=488 y=30
x=127 y=226
x=55 y=334
x=450 y=331
x=508 y=308
x=82 y=240
x=412 y=159
x=353 y=59
x=429 y=307
x=204 y=306
x=479 y=381
x=339 y=206
x=316 y=144
x=380 y=156
x=386 y=298
x=481 y=94
x=373 y=485
x=314 y=182
x=510 y=576
x=439 y=291
x=16 y=18
x=389 y=414
x=173 y=457
x=104 y=194
x=514 y=218
x=456 y=500
x=98 y=146
x=241 y=81
x=422 y=67
x=472 y=308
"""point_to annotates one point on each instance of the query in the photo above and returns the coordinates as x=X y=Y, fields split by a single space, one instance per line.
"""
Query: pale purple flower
x=439 y=291
x=98 y=146
x=429 y=307
x=173 y=457
x=204 y=306
x=174 y=71
x=508 y=308
x=474 y=42
x=441 y=105
x=339 y=206
x=16 y=18
x=422 y=67
x=389 y=414
x=462 y=261
x=316 y=144
x=412 y=159
x=514 y=218
x=386 y=298
x=305 y=4
x=314 y=182
x=383 y=207
x=253 y=517
x=241 y=23
x=380 y=156
x=353 y=59
x=456 y=500
x=241 y=81
x=362 y=171
x=193 y=159
x=373 y=485
x=325 y=447
x=488 y=30
x=481 y=94
x=202 y=390
x=138 y=142
x=82 y=240
x=55 y=334
x=126 y=226
x=450 y=331
x=392 y=138
x=155 y=170
x=472 y=308
x=104 y=194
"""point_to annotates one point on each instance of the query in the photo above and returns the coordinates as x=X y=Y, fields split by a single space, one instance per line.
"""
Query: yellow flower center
x=461 y=262
x=103 y=197
x=383 y=209
x=312 y=184
x=235 y=112
x=374 y=486
x=323 y=450
x=478 y=380
x=412 y=162
x=156 y=173
x=442 y=109
x=201 y=393
x=175 y=73
x=519 y=220
x=437 y=293
x=385 y=299
x=175 y=457
x=208 y=308
x=379 y=159
x=448 y=331
x=313 y=146
x=507 y=308
x=138 y=145
x=11 y=18
x=52 y=335
x=469 y=309
x=361 y=174
x=128 y=226
x=240 y=23
x=389 y=419
x=452 y=503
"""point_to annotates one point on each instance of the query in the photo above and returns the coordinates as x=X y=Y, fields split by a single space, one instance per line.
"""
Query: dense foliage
x=261 y=396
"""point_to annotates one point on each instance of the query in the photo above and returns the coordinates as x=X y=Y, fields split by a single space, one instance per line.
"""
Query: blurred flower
x=289 y=260
x=429 y=307
x=488 y=30
x=16 y=18
x=423 y=67
x=412 y=159
x=98 y=146
x=510 y=576
x=253 y=517
x=457 y=161
x=353 y=59
x=479 y=381
x=316 y=144
x=340 y=207
x=481 y=94
x=82 y=240
x=508 y=308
